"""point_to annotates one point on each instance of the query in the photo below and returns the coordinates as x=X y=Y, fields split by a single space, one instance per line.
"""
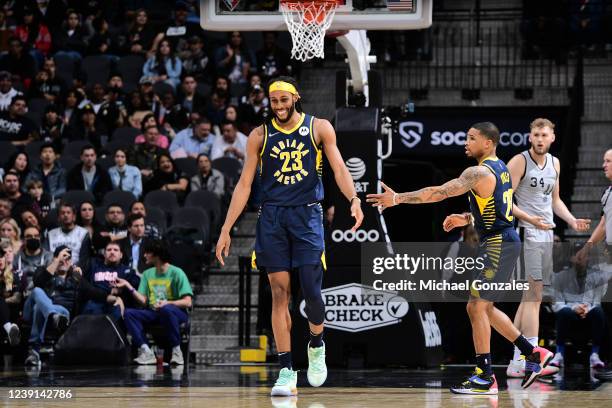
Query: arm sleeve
x=42 y=277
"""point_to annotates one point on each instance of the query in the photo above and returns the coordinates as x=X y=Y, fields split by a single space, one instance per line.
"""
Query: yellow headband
x=283 y=86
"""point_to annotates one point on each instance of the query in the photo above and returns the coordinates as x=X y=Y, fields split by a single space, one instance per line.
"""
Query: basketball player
x=288 y=151
x=489 y=190
x=535 y=181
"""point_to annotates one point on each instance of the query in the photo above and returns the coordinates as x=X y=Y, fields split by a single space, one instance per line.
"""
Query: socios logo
x=356 y=167
x=410 y=133
x=355 y=236
x=354 y=308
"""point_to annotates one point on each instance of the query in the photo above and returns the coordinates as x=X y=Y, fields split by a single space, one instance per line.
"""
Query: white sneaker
x=145 y=357
x=317 y=370
x=286 y=385
x=284 y=402
x=516 y=369
x=177 y=356
x=14 y=336
x=596 y=361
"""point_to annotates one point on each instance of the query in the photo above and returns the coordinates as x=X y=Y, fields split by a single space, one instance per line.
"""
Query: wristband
x=354 y=197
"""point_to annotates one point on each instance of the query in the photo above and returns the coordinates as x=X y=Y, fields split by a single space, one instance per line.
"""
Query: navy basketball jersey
x=291 y=164
x=493 y=214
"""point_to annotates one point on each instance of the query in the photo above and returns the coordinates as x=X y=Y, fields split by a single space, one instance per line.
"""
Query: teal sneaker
x=317 y=370
x=286 y=385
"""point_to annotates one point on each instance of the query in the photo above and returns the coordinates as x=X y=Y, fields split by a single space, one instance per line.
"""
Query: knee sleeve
x=311 y=278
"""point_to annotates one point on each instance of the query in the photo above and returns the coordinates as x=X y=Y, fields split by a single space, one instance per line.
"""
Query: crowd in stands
x=117 y=125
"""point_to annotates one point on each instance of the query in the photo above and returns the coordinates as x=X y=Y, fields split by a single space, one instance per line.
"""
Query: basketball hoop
x=307 y=22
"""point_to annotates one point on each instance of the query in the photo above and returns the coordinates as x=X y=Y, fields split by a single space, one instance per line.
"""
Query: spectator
x=41 y=201
x=132 y=245
x=102 y=42
x=170 y=115
x=57 y=86
x=231 y=144
x=179 y=30
x=151 y=229
x=14 y=126
x=108 y=116
x=234 y=59
x=69 y=39
x=140 y=35
x=147 y=92
x=12 y=190
x=59 y=291
x=50 y=173
x=577 y=293
x=6 y=31
x=208 y=179
x=144 y=156
x=6 y=207
x=272 y=61
x=18 y=163
x=88 y=176
x=215 y=110
x=9 y=295
x=103 y=275
x=252 y=111
x=125 y=177
x=223 y=86
x=192 y=141
x=166 y=291
x=114 y=228
x=11 y=231
x=164 y=66
x=195 y=61
x=31 y=256
x=7 y=92
x=71 y=235
x=147 y=121
x=167 y=177
x=35 y=34
x=53 y=130
x=29 y=218
x=18 y=62
x=71 y=103
x=189 y=99
x=87 y=219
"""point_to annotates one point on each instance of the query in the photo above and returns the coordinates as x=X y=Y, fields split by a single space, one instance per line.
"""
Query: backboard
x=264 y=15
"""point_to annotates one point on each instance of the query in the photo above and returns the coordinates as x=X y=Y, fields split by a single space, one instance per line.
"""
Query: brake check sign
x=354 y=308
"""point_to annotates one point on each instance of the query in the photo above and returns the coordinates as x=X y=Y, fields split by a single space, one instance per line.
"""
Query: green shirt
x=172 y=285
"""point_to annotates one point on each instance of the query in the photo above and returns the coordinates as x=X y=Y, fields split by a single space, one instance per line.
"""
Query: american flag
x=400 y=5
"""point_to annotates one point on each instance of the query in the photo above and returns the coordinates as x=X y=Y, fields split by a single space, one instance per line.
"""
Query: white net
x=307 y=22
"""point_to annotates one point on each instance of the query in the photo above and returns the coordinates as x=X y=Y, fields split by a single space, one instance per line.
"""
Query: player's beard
x=289 y=115
x=541 y=151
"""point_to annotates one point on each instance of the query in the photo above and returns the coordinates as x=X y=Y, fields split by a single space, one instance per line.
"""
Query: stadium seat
x=68 y=162
x=158 y=217
x=191 y=217
x=110 y=147
x=162 y=88
x=106 y=162
x=100 y=214
x=128 y=134
x=65 y=67
x=97 y=68
x=77 y=197
x=73 y=149
x=51 y=219
x=6 y=151
x=130 y=68
x=164 y=200
x=187 y=165
x=123 y=198
x=38 y=105
x=230 y=167
x=35 y=117
x=203 y=89
x=32 y=149
x=209 y=203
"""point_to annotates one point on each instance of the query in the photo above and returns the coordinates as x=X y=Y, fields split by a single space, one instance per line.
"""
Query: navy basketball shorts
x=500 y=252
x=288 y=237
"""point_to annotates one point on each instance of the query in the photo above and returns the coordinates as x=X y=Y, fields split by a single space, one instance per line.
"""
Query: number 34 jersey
x=291 y=164
x=493 y=214
x=534 y=191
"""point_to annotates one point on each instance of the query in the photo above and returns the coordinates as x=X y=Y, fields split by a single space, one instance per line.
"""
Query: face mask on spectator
x=32 y=244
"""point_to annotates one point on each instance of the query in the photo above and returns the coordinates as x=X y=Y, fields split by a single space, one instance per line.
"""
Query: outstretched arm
x=341 y=174
x=468 y=180
x=241 y=192
x=561 y=210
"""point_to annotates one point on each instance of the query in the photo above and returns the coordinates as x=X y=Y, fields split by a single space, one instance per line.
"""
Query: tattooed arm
x=468 y=180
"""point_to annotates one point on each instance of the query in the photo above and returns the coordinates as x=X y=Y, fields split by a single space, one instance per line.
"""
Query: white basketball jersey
x=606 y=204
x=534 y=192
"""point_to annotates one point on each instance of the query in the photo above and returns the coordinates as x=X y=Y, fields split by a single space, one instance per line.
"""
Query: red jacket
x=42 y=42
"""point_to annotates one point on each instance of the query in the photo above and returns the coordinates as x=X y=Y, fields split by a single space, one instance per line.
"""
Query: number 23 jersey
x=291 y=164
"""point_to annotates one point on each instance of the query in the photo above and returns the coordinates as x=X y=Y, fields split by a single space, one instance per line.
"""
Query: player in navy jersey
x=489 y=189
x=287 y=152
